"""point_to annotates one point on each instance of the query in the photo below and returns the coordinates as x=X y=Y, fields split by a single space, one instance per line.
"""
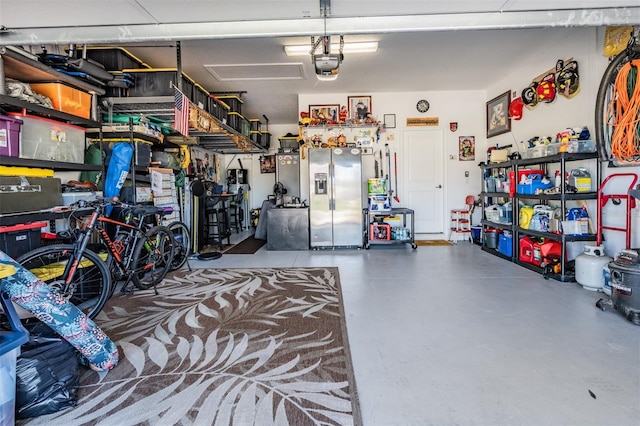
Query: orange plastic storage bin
x=65 y=98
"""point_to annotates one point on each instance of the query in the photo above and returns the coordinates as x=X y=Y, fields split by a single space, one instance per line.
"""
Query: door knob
x=439 y=186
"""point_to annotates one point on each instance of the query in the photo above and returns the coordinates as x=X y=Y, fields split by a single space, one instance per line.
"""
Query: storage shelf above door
x=221 y=138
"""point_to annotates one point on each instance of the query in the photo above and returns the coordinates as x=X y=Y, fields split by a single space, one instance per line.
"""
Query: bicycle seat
x=147 y=210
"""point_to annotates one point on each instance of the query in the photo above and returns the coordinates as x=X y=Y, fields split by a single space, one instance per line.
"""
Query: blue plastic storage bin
x=10 y=342
x=505 y=244
x=535 y=185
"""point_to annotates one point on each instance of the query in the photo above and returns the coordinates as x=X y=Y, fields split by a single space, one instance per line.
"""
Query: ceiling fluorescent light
x=357 y=47
x=329 y=77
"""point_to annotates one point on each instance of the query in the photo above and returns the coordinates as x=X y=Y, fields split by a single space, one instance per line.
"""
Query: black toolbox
x=29 y=194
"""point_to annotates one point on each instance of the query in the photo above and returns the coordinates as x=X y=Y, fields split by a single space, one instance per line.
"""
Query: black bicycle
x=132 y=252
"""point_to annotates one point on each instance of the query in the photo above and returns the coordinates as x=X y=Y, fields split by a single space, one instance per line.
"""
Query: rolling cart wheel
x=414 y=246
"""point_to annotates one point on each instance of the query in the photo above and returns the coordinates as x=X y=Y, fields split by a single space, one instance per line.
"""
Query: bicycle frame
x=114 y=247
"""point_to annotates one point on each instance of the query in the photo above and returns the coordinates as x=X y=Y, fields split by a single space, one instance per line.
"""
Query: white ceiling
x=238 y=45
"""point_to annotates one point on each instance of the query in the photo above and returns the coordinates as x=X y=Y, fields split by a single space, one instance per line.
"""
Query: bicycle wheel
x=182 y=238
x=602 y=119
x=90 y=285
x=152 y=257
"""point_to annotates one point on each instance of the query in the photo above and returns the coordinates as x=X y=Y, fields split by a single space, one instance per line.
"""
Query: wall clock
x=422 y=105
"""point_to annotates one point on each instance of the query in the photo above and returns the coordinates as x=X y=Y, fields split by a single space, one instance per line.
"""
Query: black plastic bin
x=218 y=109
x=115 y=58
x=159 y=82
x=234 y=102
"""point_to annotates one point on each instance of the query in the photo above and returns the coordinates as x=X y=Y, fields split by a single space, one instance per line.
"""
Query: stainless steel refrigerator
x=335 y=194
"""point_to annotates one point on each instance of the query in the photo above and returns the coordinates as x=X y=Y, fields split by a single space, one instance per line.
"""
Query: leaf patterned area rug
x=224 y=347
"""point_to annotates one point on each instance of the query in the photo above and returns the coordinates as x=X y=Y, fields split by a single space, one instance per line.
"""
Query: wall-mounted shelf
x=22 y=68
x=9 y=103
x=44 y=164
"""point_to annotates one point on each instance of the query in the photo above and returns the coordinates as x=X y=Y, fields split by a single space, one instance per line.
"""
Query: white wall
x=464 y=107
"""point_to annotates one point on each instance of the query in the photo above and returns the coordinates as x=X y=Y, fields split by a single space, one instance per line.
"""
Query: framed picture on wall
x=268 y=164
x=466 y=148
x=390 y=121
x=359 y=107
x=498 y=121
x=324 y=113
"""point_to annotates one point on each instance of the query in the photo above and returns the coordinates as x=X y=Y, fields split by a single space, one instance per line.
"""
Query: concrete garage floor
x=456 y=336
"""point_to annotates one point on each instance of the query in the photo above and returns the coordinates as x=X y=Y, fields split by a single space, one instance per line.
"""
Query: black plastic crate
x=16 y=240
x=218 y=109
x=115 y=58
x=235 y=121
x=142 y=150
x=234 y=102
x=255 y=125
x=159 y=82
x=200 y=97
x=256 y=137
x=266 y=140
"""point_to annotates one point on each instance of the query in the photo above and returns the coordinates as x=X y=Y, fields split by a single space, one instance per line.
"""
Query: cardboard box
x=379 y=203
x=162 y=181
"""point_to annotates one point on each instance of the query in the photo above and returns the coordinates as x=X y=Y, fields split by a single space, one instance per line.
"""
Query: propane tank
x=589 y=266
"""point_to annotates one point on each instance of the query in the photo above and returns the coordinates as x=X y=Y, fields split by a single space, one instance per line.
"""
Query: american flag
x=181 y=111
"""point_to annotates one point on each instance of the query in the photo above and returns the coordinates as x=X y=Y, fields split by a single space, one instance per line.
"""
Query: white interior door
x=425 y=178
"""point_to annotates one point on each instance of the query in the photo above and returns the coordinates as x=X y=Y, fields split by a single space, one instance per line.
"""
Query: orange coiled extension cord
x=624 y=108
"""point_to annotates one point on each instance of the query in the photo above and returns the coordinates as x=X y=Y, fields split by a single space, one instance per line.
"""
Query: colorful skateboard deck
x=98 y=351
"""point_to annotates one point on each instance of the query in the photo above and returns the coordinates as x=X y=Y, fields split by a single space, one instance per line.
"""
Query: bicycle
x=182 y=237
x=84 y=277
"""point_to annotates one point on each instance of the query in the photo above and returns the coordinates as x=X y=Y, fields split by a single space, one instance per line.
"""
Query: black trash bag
x=47 y=374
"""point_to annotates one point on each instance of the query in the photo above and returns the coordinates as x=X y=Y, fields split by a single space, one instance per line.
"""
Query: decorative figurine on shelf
x=342 y=115
x=305 y=120
x=342 y=141
x=316 y=140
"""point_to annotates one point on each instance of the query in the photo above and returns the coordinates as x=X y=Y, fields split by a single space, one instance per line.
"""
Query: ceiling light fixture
x=355 y=47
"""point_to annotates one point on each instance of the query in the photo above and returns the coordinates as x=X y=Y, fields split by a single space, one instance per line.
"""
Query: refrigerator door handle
x=332 y=186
